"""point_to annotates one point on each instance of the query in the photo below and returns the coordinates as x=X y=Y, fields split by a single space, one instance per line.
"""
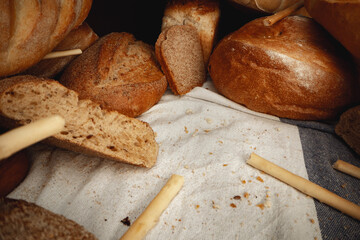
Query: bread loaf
x=13 y=170
x=341 y=18
x=268 y=6
x=23 y=220
x=80 y=38
x=178 y=50
x=119 y=73
x=30 y=29
x=88 y=128
x=348 y=128
x=204 y=15
x=293 y=69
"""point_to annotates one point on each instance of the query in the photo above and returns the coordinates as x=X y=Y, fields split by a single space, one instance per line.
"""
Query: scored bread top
x=178 y=50
x=118 y=72
x=88 y=128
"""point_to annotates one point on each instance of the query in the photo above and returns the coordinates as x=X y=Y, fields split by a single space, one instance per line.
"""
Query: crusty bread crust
x=80 y=38
x=341 y=19
x=348 y=128
x=33 y=28
x=202 y=14
x=119 y=73
x=88 y=129
x=293 y=69
x=179 y=53
x=23 y=220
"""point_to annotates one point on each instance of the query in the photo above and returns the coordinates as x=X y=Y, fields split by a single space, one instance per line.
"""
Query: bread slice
x=204 y=15
x=20 y=219
x=348 y=128
x=88 y=129
x=179 y=53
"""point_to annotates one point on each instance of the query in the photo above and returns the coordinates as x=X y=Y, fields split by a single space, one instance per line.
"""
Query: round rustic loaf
x=292 y=69
x=31 y=29
x=348 y=128
x=119 y=73
x=23 y=220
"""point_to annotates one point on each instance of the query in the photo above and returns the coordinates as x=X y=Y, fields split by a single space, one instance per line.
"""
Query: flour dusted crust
x=293 y=69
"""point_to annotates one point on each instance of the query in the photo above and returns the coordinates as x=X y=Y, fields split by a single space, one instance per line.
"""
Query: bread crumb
x=214 y=206
x=225 y=164
x=261 y=206
x=243 y=181
x=197 y=206
x=344 y=185
x=186 y=167
x=209 y=120
x=232 y=205
x=312 y=221
x=207 y=130
x=259 y=179
x=189 y=111
x=126 y=221
x=246 y=195
x=237 y=197
x=186 y=130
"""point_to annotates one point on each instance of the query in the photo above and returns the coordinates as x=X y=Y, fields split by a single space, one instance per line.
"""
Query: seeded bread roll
x=204 y=15
x=29 y=29
x=23 y=220
x=293 y=69
x=118 y=72
x=348 y=128
x=79 y=38
x=88 y=128
x=268 y=6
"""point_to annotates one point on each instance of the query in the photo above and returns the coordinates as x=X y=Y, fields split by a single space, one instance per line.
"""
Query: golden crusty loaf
x=341 y=18
x=29 y=29
x=293 y=69
x=268 y=6
x=20 y=219
x=202 y=14
x=88 y=128
x=178 y=50
x=348 y=128
x=118 y=72
x=80 y=38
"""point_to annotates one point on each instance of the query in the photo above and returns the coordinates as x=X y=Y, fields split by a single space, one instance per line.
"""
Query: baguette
x=30 y=29
x=88 y=128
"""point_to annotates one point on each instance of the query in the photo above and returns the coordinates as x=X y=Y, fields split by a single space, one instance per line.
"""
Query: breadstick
x=305 y=186
x=151 y=214
x=22 y=137
x=347 y=168
x=268 y=21
x=65 y=53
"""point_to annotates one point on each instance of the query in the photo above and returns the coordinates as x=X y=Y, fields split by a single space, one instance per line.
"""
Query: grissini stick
x=305 y=186
x=24 y=136
x=148 y=219
x=347 y=168
x=64 y=53
x=283 y=13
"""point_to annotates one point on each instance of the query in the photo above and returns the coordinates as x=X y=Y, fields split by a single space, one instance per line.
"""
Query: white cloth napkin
x=205 y=138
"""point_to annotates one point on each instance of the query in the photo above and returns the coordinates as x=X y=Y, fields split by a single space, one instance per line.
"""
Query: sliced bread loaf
x=179 y=53
x=88 y=129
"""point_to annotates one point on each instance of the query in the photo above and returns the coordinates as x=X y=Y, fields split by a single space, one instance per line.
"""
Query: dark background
x=143 y=18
